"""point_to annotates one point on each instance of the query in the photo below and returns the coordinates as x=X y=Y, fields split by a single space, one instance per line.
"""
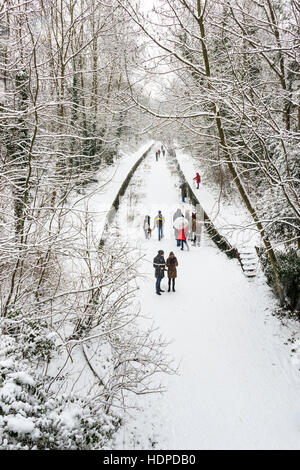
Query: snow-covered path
x=237 y=387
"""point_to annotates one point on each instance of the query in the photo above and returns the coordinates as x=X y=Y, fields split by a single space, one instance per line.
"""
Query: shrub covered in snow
x=289 y=274
x=33 y=418
x=282 y=224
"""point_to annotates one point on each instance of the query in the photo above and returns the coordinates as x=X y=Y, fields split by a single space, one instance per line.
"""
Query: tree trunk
x=235 y=175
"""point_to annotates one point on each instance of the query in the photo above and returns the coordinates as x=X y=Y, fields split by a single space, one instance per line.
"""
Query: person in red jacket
x=182 y=239
x=198 y=179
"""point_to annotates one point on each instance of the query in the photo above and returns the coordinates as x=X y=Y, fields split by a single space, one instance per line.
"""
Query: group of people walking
x=158 y=222
x=159 y=152
x=185 y=227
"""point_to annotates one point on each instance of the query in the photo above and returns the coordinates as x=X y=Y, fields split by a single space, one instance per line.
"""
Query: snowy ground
x=231 y=220
x=238 y=385
x=84 y=225
x=96 y=202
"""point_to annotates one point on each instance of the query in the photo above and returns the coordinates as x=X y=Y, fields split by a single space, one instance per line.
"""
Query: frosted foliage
x=32 y=418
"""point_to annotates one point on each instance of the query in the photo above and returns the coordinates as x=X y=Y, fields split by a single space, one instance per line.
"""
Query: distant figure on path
x=171 y=264
x=198 y=179
x=156 y=156
x=158 y=152
x=146 y=227
x=159 y=265
x=183 y=191
x=159 y=222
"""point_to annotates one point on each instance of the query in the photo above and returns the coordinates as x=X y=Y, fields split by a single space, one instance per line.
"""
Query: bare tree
x=224 y=58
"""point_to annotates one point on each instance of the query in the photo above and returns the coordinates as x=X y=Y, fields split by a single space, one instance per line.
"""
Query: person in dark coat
x=177 y=214
x=197 y=179
x=183 y=191
x=159 y=223
x=171 y=264
x=159 y=265
x=156 y=156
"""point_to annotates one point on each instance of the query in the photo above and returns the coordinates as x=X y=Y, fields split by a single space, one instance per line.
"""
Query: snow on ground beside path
x=93 y=206
x=233 y=221
x=110 y=180
x=237 y=386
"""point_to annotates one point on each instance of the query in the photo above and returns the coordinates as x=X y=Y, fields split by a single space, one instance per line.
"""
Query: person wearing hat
x=159 y=265
x=171 y=264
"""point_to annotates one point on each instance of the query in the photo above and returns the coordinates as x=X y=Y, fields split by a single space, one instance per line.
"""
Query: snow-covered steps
x=249 y=261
